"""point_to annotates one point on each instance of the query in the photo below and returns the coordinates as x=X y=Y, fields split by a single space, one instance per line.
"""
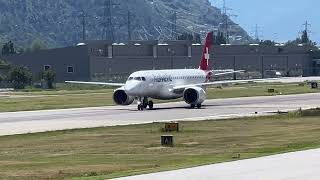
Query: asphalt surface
x=49 y=120
x=289 y=166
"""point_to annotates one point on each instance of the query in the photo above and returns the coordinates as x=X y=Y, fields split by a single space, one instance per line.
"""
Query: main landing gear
x=143 y=103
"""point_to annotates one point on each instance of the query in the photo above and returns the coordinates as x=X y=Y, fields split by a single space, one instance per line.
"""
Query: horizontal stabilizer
x=229 y=72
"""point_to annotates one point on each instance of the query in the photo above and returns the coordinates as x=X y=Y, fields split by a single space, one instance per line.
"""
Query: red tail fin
x=204 y=63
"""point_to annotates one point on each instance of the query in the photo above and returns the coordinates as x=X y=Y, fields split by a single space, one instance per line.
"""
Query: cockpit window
x=137 y=78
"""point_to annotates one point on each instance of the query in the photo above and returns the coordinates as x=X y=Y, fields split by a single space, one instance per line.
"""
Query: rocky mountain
x=60 y=22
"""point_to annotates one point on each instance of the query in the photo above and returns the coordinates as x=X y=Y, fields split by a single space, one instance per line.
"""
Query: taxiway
x=289 y=166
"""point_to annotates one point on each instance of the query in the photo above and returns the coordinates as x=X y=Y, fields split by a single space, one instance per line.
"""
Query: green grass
x=79 y=96
x=110 y=152
x=249 y=90
x=23 y=101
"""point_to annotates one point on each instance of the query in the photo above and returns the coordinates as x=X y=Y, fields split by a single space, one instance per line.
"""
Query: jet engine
x=120 y=97
x=194 y=95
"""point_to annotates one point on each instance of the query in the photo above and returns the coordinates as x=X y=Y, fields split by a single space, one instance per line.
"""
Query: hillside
x=59 y=22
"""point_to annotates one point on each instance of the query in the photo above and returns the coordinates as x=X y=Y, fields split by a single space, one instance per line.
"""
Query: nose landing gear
x=143 y=103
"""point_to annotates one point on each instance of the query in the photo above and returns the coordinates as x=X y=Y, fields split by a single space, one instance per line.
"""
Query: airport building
x=106 y=61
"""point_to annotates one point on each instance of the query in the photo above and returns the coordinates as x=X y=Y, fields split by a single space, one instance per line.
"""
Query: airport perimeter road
x=289 y=166
x=49 y=120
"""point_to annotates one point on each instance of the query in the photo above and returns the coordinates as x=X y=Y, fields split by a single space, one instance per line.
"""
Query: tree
x=8 y=48
x=49 y=77
x=305 y=38
x=20 y=77
x=4 y=69
x=37 y=45
x=11 y=48
x=185 y=36
x=219 y=39
x=294 y=42
x=197 y=38
x=5 y=49
x=190 y=37
x=267 y=42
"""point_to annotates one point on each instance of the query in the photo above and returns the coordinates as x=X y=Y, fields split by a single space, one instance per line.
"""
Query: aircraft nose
x=131 y=87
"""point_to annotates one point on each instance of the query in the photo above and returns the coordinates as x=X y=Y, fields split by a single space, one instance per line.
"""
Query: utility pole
x=129 y=22
x=108 y=29
x=305 y=36
x=174 y=26
x=256 y=33
x=226 y=22
x=306 y=26
x=83 y=16
x=129 y=26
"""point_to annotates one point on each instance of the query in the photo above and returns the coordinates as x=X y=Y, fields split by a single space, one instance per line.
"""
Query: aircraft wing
x=228 y=72
x=96 y=83
x=270 y=80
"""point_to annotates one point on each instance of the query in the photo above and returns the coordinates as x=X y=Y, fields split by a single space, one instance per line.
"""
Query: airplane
x=168 y=84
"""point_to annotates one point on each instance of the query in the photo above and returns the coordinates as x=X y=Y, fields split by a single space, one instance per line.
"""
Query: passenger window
x=137 y=78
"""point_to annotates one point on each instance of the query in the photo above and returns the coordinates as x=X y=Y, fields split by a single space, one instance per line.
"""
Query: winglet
x=204 y=63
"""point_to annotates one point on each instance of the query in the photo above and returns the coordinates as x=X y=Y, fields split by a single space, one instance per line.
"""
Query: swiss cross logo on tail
x=204 y=63
x=207 y=56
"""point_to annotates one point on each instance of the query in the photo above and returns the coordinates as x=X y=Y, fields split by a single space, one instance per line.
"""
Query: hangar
x=106 y=61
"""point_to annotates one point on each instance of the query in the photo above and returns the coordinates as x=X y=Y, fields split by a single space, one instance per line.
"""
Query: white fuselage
x=158 y=84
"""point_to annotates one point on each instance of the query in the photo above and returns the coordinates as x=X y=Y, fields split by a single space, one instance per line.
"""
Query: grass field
x=85 y=96
x=101 y=153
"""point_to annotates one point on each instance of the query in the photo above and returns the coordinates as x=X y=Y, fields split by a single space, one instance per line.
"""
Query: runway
x=49 y=120
x=289 y=166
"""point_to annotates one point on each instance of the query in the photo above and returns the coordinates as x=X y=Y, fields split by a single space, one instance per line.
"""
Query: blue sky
x=278 y=19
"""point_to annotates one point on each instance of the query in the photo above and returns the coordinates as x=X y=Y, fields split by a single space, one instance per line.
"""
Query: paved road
x=49 y=120
x=290 y=166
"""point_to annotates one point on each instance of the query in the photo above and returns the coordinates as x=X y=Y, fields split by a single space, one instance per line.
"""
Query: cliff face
x=59 y=22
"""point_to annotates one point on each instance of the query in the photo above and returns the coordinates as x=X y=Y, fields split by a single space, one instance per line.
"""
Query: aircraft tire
x=150 y=104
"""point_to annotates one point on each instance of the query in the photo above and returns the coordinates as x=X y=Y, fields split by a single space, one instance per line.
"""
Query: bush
x=49 y=77
x=20 y=77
